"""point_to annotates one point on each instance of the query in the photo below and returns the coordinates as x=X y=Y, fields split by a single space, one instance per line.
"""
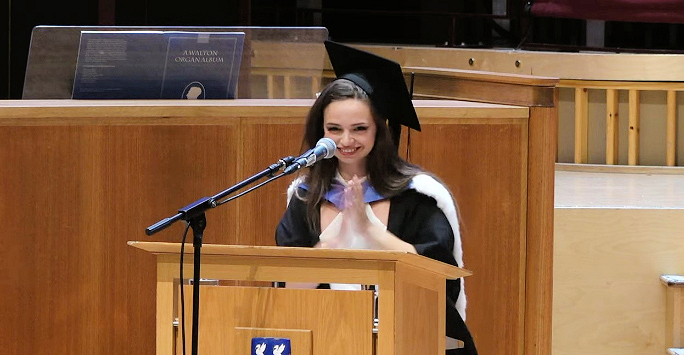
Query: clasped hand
x=354 y=218
x=354 y=230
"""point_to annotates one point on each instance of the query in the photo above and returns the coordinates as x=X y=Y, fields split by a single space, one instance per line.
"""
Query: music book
x=158 y=65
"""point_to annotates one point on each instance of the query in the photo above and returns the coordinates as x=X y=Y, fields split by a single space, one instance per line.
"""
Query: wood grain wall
x=79 y=179
x=608 y=297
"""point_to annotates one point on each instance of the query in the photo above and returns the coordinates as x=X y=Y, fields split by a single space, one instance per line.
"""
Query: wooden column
x=634 y=118
x=581 y=125
x=315 y=86
x=671 y=145
x=543 y=143
x=287 y=86
x=270 y=86
x=612 y=125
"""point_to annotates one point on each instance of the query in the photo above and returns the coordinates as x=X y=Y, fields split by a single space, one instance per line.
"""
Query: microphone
x=324 y=149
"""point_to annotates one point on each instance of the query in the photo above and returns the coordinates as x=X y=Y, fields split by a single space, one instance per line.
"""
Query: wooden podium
x=411 y=294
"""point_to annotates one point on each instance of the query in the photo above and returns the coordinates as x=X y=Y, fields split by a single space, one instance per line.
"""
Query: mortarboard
x=381 y=78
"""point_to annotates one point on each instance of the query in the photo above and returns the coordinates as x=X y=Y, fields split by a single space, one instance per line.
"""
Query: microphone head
x=329 y=145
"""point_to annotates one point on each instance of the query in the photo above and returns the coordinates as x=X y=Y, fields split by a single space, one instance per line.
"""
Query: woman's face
x=350 y=124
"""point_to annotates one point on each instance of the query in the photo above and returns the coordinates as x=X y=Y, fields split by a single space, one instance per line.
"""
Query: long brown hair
x=388 y=172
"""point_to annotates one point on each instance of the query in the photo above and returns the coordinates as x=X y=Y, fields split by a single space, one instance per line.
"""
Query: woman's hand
x=356 y=225
x=355 y=218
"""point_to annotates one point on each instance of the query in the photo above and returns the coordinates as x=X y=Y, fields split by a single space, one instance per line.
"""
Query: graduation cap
x=383 y=81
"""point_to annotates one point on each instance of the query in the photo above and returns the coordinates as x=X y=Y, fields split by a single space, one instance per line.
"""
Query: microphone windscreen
x=329 y=145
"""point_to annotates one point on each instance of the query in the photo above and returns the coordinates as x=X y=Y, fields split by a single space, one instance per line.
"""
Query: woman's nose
x=346 y=138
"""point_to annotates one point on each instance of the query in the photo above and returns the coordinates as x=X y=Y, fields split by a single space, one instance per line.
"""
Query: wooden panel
x=456 y=88
x=417 y=322
x=582 y=66
x=607 y=293
x=493 y=218
x=165 y=314
x=543 y=132
x=263 y=144
x=483 y=76
x=86 y=176
x=75 y=194
x=222 y=309
x=385 y=344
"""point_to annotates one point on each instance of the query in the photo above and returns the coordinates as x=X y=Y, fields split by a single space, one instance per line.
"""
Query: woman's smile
x=348 y=151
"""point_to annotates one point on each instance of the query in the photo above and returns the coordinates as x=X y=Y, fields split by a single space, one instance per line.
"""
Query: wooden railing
x=612 y=88
x=638 y=75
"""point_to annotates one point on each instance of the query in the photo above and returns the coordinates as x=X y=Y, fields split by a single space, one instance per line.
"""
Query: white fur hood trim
x=427 y=185
x=293 y=187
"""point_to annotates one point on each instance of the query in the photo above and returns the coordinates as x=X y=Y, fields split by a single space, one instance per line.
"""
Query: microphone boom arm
x=205 y=203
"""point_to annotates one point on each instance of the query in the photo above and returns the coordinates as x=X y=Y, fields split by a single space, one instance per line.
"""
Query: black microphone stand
x=194 y=215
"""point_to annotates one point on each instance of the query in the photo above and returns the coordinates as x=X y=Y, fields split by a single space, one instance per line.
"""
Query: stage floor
x=618 y=187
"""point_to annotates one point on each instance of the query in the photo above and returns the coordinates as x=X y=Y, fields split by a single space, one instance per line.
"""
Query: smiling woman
x=367 y=196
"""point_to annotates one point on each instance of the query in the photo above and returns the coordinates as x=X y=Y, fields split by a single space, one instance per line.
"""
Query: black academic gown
x=415 y=219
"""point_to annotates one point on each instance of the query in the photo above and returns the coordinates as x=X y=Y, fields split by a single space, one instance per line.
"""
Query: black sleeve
x=435 y=239
x=418 y=221
x=293 y=231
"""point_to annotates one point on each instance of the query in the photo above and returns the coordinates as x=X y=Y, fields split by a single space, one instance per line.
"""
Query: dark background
x=454 y=23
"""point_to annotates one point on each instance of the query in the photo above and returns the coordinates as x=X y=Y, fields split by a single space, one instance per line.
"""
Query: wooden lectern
x=411 y=295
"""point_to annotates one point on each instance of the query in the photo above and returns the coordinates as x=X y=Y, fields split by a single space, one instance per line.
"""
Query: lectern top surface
x=448 y=271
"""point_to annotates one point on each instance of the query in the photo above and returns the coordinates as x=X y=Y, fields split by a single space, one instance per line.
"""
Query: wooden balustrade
x=634 y=89
x=585 y=73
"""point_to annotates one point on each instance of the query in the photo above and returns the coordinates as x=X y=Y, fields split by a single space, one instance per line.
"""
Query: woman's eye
x=333 y=129
x=361 y=128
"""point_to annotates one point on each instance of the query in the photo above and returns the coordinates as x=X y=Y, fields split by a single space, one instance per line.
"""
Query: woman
x=367 y=196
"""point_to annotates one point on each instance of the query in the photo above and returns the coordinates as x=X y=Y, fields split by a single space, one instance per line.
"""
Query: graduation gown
x=415 y=218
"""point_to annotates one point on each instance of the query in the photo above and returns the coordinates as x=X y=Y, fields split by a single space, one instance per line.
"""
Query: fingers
x=355 y=217
x=354 y=193
x=355 y=184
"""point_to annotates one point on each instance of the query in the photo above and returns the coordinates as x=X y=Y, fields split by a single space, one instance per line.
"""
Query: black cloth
x=415 y=219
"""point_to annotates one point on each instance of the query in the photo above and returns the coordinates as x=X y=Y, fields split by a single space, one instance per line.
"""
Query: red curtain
x=658 y=11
